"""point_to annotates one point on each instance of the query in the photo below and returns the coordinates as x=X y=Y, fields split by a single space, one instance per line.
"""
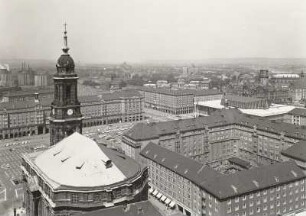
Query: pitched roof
x=298 y=111
x=147 y=131
x=120 y=94
x=224 y=186
x=144 y=208
x=300 y=84
x=255 y=179
x=183 y=166
x=297 y=151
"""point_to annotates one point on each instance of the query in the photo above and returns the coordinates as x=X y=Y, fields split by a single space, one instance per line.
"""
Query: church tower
x=65 y=117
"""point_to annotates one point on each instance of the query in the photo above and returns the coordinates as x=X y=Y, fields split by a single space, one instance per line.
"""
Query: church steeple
x=65 y=48
x=65 y=117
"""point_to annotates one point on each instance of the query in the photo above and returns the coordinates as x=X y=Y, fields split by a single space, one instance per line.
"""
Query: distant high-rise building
x=41 y=80
x=5 y=76
x=263 y=77
x=65 y=117
x=25 y=76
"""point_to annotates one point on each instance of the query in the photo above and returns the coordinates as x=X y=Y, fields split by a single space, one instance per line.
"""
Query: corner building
x=77 y=175
x=198 y=190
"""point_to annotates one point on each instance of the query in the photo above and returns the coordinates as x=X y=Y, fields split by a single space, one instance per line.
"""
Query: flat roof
x=274 y=109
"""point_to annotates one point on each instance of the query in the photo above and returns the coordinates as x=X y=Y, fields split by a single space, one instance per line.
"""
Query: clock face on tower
x=69 y=111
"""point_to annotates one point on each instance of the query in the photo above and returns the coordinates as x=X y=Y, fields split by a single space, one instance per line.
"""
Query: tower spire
x=65 y=48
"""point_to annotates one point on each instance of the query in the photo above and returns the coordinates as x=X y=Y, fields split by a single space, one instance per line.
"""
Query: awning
x=163 y=198
x=150 y=190
x=159 y=195
x=155 y=192
x=168 y=201
x=172 y=204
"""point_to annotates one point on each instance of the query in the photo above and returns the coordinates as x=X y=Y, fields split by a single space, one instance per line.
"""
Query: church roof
x=78 y=161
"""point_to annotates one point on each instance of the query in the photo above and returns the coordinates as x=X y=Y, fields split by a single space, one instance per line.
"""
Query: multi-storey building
x=244 y=102
x=6 y=79
x=222 y=135
x=32 y=116
x=195 y=189
x=298 y=90
x=284 y=80
x=41 y=80
x=27 y=94
x=296 y=116
x=296 y=153
x=25 y=77
x=76 y=175
x=167 y=100
x=207 y=95
x=179 y=101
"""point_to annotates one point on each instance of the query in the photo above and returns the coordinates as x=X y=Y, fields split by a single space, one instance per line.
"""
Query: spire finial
x=66 y=48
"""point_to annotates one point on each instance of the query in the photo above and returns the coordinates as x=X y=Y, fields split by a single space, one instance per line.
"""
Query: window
x=74 y=198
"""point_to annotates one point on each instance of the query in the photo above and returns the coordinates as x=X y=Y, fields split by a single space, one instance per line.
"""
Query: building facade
x=195 y=189
x=296 y=116
x=167 y=100
x=25 y=77
x=6 y=79
x=41 y=80
x=244 y=102
x=27 y=94
x=298 y=91
x=214 y=138
x=176 y=102
x=31 y=117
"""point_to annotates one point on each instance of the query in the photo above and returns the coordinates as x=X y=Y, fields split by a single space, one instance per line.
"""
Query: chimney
x=126 y=207
x=140 y=210
x=36 y=97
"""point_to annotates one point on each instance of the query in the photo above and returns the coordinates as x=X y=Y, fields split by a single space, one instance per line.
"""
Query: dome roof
x=79 y=162
x=65 y=61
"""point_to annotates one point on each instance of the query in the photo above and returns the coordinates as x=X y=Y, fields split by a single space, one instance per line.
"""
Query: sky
x=102 y=31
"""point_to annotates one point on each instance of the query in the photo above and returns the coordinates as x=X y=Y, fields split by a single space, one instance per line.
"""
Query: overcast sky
x=102 y=31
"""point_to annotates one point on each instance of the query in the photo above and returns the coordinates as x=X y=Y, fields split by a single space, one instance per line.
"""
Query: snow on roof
x=274 y=109
x=78 y=161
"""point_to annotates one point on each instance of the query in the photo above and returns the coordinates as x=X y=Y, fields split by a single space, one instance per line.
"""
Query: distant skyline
x=112 y=31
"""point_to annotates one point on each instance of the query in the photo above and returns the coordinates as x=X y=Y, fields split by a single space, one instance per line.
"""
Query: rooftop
x=297 y=151
x=274 y=109
x=300 y=84
x=255 y=179
x=120 y=94
x=298 y=111
x=224 y=186
x=184 y=166
x=242 y=98
x=78 y=161
x=195 y=92
x=144 y=208
x=147 y=131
